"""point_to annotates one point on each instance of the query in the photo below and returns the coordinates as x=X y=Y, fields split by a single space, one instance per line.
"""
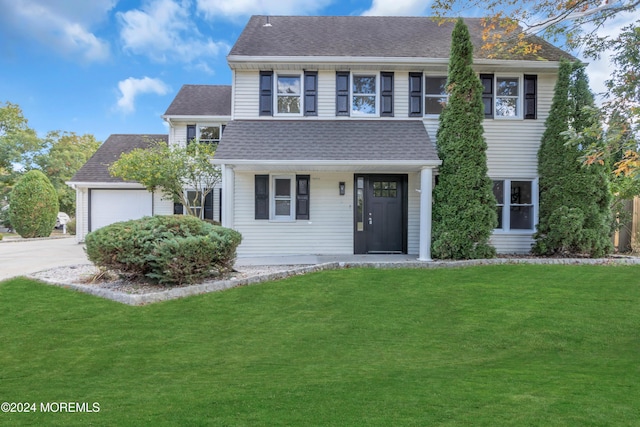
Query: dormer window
x=288 y=94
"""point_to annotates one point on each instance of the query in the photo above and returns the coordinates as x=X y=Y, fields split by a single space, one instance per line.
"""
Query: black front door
x=380 y=224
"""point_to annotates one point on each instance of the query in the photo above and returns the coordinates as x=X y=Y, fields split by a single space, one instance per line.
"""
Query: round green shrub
x=33 y=205
x=169 y=250
x=71 y=226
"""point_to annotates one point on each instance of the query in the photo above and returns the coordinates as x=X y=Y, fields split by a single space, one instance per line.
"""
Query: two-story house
x=329 y=146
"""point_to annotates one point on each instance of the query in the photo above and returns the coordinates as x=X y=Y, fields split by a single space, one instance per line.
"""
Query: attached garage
x=107 y=206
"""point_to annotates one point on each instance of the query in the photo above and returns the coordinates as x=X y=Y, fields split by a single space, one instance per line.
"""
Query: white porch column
x=426 y=201
x=228 y=180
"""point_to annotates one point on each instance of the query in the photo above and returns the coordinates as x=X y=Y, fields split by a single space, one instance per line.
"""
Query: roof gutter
x=406 y=61
x=405 y=163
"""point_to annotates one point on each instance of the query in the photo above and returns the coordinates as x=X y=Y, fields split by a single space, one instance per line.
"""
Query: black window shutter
x=262 y=196
x=191 y=133
x=178 y=209
x=208 y=205
x=302 y=196
x=386 y=94
x=415 y=94
x=530 y=95
x=310 y=93
x=487 y=94
x=266 y=89
x=342 y=93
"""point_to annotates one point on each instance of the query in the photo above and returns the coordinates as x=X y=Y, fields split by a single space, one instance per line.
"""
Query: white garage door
x=109 y=206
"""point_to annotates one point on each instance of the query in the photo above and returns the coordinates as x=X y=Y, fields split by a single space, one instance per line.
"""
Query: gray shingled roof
x=201 y=100
x=363 y=140
x=95 y=170
x=362 y=36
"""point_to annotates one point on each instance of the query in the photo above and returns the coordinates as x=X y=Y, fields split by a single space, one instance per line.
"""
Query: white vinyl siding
x=162 y=205
x=413 y=223
x=246 y=95
x=401 y=94
x=327 y=94
x=328 y=231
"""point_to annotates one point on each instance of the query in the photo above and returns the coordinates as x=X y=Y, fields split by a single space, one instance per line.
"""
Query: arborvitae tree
x=464 y=209
x=575 y=200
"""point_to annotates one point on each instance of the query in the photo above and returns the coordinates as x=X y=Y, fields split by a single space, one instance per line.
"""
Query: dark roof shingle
x=338 y=140
x=363 y=36
x=96 y=168
x=201 y=100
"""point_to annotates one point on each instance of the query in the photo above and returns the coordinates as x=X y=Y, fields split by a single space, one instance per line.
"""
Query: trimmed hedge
x=33 y=205
x=169 y=250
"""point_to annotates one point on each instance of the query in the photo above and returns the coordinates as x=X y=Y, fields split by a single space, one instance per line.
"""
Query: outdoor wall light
x=341 y=187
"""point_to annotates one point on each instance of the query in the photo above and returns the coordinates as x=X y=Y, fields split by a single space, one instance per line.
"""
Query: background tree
x=575 y=200
x=59 y=155
x=64 y=154
x=33 y=205
x=172 y=170
x=18 y=146
x=464 y=213
x=583 y=25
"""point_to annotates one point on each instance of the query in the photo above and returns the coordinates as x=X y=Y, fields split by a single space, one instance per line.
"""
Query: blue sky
x=109 y=66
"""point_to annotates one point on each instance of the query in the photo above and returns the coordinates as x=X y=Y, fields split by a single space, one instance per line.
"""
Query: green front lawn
x=497 y=345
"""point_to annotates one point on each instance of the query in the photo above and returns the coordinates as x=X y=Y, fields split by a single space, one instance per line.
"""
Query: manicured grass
x=484 y=346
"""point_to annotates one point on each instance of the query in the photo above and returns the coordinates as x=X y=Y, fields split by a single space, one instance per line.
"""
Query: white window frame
x=426 y=95
x=208 y=125
x=506 y=206
x=292 y=197
x=519 y=103
x=352 y=76
x=300 y=76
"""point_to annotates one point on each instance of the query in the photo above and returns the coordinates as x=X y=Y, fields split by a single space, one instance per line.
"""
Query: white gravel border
x=136 y=294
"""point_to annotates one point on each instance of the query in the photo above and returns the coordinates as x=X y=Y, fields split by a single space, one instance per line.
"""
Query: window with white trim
x=283 y=202
x=206 y=133
x=435 y=94
x=364 y=94
x=515 y=204
x=507 y=97
x=282 y=197
x=289 y=94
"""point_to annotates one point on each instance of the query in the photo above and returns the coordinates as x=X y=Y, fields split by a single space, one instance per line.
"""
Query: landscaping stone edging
x=175 y=293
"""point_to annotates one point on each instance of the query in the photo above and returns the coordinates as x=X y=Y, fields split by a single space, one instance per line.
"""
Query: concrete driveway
x=19 y=257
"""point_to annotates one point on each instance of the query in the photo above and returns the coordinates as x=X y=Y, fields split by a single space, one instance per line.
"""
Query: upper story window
x=436 y=96
x=509 y=97
x=364 y=97
x=364 y=94
x=205 y=133
x=288 y=94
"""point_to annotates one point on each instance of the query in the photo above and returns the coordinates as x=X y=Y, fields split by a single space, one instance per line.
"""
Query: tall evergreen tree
x=464 y=210
x=575 y=200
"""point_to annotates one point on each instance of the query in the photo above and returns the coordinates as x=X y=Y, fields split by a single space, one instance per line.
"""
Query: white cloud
x=213 y=9
x=164 y=30
x=63 y=25
x=397 y=8
x=132 y=87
